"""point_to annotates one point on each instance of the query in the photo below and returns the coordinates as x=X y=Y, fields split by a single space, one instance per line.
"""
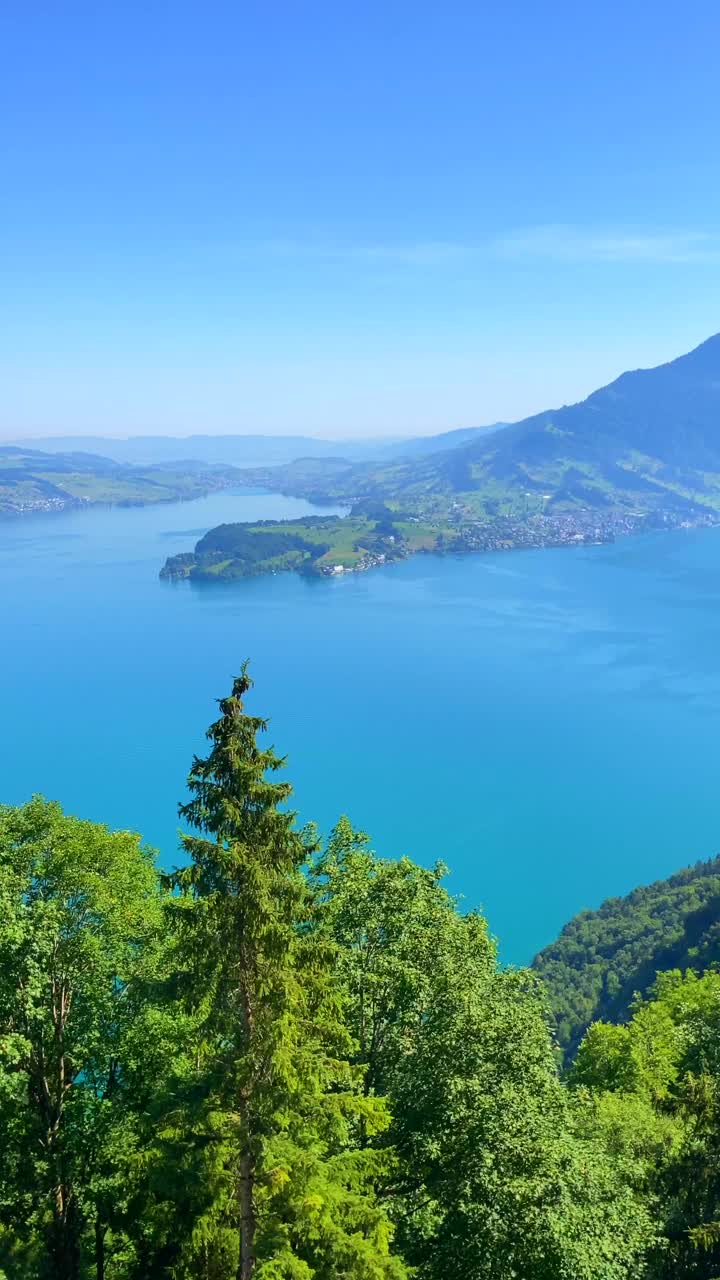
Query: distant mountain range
x=249 y=450
x=647 y=443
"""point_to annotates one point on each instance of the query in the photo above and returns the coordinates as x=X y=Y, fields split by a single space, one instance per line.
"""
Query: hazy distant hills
x=79 y=470
x=250 y=450
x=32 y=480
x=648 y=442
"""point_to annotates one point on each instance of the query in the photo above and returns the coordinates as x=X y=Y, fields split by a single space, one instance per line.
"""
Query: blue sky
x=344 y=218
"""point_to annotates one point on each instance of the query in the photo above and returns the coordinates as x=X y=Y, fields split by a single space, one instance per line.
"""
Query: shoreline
x=503 y=534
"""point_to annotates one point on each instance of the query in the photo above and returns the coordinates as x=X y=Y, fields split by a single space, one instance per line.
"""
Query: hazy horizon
x=217 y=435
x=330 y=436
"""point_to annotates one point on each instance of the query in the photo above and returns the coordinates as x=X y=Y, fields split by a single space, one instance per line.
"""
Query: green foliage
x=79 y=913
x=640 y=1058
x=249 y=544
x=495 y=1181
x=603 y=958
x=657 y=1083
x=294 y=1063
x=312 y=545
x=280 y=1088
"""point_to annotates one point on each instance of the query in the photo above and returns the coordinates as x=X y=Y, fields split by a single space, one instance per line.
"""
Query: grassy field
x=316 y=545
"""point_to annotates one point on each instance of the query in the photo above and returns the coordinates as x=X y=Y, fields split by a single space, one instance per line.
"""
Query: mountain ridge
x=648 y=441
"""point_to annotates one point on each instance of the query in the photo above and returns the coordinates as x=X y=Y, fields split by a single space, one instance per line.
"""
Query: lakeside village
x=583 y=527
x=11 y=505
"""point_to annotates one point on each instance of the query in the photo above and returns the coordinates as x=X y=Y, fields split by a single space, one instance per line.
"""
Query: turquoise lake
x=545 y=722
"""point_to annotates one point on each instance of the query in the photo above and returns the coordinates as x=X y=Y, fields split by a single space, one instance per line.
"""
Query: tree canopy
x=296 y=1060
x=603 y=958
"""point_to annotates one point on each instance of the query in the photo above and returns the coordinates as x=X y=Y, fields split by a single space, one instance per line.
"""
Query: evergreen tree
x=282 y=1103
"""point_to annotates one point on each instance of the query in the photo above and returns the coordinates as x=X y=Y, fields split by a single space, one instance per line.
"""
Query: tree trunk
x=248 y=1224
x=246 y=1171
x=64 y=1244
x=100 y=1230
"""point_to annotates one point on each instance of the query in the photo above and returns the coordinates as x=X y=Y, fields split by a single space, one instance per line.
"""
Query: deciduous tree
x=79 y=906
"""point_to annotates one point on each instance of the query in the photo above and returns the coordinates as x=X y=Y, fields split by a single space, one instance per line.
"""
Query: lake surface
x=546 y=722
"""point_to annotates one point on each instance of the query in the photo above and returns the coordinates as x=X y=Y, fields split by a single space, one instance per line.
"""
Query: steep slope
x=603 y=958
x=420 y=446
x=650 y=433
x=648 y=442
x=671 y=412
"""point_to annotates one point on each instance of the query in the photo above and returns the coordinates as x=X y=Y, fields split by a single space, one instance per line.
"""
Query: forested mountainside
x=34 y=481
x=603 y=958
x=292 y=1059
x=648 y=442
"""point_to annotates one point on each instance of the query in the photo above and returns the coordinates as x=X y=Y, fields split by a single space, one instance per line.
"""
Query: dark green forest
x=603 y=959
x=292 y=1059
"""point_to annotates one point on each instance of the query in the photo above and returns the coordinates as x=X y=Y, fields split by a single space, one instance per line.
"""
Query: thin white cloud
x=556 y=243
x=573 y=244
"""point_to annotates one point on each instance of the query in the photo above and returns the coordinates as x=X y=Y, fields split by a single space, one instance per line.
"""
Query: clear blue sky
x=348 y=218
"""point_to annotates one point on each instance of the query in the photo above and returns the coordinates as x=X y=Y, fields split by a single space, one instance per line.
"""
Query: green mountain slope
x=649 y=442
x=603 y=958
x=671 y=412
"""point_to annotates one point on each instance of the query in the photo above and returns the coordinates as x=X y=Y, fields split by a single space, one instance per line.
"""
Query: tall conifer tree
x=275 y=1049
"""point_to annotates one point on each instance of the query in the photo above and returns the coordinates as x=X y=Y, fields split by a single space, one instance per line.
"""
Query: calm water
x=545 y=722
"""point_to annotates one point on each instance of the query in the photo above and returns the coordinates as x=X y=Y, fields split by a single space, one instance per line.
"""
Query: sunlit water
x=545 y=722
